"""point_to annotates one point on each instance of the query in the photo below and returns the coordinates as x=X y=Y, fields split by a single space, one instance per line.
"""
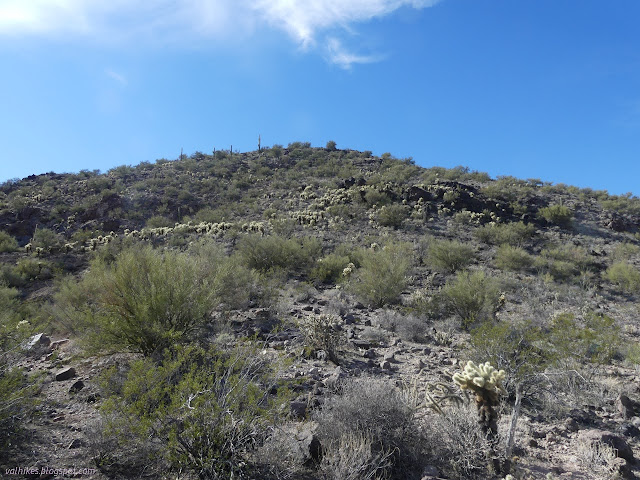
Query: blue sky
x=544 y=89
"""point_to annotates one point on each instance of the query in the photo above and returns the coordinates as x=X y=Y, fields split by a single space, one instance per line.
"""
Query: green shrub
x=143 y=302
x=375 y=197
x=17 y=390
x=557 y=215
x=158 y=221
x=329 y=269
x=470 y=296
x=595 y=339
x=393 y=215
x=563 y=263
x=202 y=411
x=513 y=258
x=514 y=234
x=29 y=269
x=277 y=253
x=625 y=276
x=46 y=239
x=624 y=251
x=449 y=255
x=383 y=275
x=7 y=243
x=517 y=348
x=331 y=146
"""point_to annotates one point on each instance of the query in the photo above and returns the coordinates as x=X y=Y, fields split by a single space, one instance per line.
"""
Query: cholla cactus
x=348 y=270
x=479 y=378
x=486 y=383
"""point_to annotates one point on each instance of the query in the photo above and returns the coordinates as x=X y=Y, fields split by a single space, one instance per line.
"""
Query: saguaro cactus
x=486 y=383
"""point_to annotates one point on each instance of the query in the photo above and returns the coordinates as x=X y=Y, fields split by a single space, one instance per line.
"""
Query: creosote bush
x=7 y=243
x=557 y=215
x=393 y=215
x=46 y=239
x=625 y=276
x=274 y=252
x=471 y=296
x=203 y=411
x=329 y=268
x=144 y=302
x=513 y=258
x=449 y=255
x=514 y=234
x=383 y=274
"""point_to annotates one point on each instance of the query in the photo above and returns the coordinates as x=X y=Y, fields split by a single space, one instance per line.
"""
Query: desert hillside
x=316 y=313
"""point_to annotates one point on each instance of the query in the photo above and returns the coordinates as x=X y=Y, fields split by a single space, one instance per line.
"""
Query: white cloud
x=311 y=23
x=121 y=79
x=342 y=57
x=304 y=19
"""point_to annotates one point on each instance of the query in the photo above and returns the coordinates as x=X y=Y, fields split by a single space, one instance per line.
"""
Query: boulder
x=616 y=441
x=65 y=374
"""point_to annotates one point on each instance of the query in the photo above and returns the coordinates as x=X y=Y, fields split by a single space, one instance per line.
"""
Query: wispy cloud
x=310 y=23
x=121 y=79
x=339 y=55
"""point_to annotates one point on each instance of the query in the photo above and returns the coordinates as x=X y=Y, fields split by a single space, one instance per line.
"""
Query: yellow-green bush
x=46 y=239
x=514 y=234
x=556 y=214
x=563 y=263
x=596 y=338
x=624 y=251
x=7 y=243
x=202 y=411
x=274 y=252
x=625 y=276
x=470 y=296
x=329 y=268
x=392 y=215
x=449 y=255
x=383 y=274
x=513 y=258
x=143 y=302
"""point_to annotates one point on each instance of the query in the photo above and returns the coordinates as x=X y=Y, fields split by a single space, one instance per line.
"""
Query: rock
x=571 y=425
x=76 y=387
x=629 y=430
x=611 y=439
x=389 y=356
x=385 y=365
x=349 y=319
x=37 y=343
x=65 y=374
x=369 y=354
x=364 y=344
x=76 y=443
x=55 y=345
x=298 y=409
x=623 y=469
x=430 y=471
x=625 y=406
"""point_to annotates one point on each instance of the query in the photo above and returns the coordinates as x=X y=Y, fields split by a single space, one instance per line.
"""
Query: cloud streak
x=121 y=79
x=310 y=23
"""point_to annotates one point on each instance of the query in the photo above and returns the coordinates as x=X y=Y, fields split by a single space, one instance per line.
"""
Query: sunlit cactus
x=486 y=383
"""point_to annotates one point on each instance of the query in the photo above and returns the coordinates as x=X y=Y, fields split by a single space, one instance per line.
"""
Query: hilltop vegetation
x=300 y=312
